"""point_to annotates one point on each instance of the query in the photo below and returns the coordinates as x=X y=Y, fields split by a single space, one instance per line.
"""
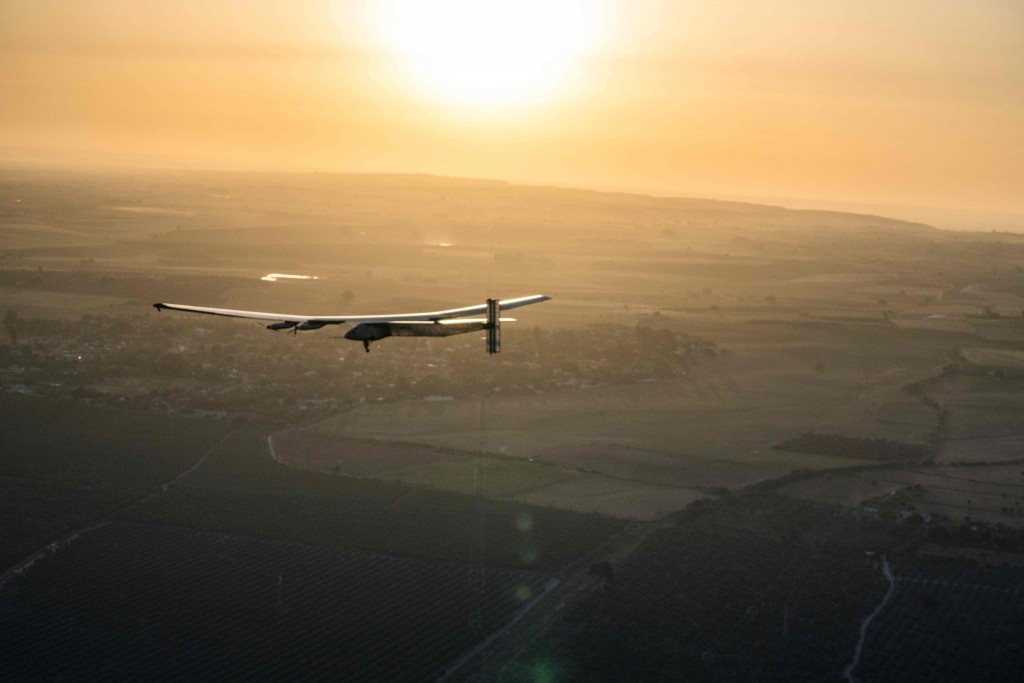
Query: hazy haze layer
x=914 y=102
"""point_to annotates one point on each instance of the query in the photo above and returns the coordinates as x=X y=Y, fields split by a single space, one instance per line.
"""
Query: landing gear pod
x=493 y=326
x=368 y=332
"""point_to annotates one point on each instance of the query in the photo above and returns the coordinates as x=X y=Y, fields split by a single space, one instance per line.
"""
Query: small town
x=223 y=368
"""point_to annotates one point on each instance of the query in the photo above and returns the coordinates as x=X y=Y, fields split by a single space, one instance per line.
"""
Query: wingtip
x=159 y=307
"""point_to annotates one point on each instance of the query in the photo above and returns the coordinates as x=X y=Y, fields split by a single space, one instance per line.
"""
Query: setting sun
x=488 y=52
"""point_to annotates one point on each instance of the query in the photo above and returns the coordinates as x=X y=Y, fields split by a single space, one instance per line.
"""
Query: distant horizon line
x=948 y=218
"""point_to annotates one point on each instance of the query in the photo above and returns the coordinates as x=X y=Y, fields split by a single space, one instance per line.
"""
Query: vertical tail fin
x=493 y=326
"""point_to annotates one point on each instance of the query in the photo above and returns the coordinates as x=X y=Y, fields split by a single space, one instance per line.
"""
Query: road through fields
x=55 y=545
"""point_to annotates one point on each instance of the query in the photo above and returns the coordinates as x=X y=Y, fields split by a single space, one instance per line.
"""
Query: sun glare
x=490 y=53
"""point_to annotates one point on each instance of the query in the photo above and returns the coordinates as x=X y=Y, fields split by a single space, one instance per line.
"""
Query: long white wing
x=430 y=316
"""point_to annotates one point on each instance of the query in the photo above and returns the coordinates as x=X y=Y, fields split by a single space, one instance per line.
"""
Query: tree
x=11 y=323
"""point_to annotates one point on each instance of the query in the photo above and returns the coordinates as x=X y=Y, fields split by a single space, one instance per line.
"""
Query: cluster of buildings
x=238 y=369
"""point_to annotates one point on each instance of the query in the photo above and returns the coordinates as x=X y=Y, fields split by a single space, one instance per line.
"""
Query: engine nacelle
x=309 y=325
x=281 y=326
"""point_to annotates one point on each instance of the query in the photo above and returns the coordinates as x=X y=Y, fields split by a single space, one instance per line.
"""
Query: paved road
x=887 y=570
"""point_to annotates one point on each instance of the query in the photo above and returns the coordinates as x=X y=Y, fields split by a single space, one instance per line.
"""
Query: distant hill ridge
x=558 y=197
x=392 y=205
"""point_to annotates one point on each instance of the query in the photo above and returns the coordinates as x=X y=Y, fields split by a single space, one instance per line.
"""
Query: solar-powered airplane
x=370 y=328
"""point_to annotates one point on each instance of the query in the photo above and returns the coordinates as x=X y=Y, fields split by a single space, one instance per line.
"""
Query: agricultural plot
x=611 y=496
x=1003 y=475
x=977 y=506
x=967 y=421
x=605 y=431
x=907 y=420
x=857 y=449
x=999 y=358
x=489 y=476
x=691 y=603
x=64 y=305
x=957 y=479
x=18 y=235
x=240 y=489
x=946 y=319
x=64 y=442
x=34 y=513
x=954 y=492
x=1007 y=329
x=308 y=449
x=948 y=622
x=973 y=386
x=155 y=603
x=983 y=410
x=727 y=407
x=861 y=315
x=842 y=488
x=708 y=428
x=982 y=449
x=787 y=461
x=493 y=476
x=65 y=465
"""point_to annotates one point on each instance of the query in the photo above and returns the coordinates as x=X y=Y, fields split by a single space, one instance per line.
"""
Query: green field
x=611 y=496
x=994 y=494
x=777 y=459
x=69 y=443
x=492 y=477
x=240 y=489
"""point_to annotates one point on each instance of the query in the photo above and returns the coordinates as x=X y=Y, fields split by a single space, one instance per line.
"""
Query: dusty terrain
x=685 y=341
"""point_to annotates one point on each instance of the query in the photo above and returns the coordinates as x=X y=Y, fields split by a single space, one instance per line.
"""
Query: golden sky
x=900 y=101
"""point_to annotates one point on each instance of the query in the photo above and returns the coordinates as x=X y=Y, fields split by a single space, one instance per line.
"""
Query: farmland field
x=64 y=465
x=1004 y=447
x=948 y=622
x=655 y=432
x=357 y=457
x=34 y=513
x=64 y=304
x=841 y=488
x=611 y=496
x=492 y=477
x=66 y=442
x=985 y=410
x=1001 y=358
x=148 y=602
x=697 y=604
x=713 y=427
x=240 y=489
x=991 y=493
x=785 y=461
x=906 y=420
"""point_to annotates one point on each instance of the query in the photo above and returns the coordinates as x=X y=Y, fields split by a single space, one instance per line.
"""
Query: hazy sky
x=901 y=101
